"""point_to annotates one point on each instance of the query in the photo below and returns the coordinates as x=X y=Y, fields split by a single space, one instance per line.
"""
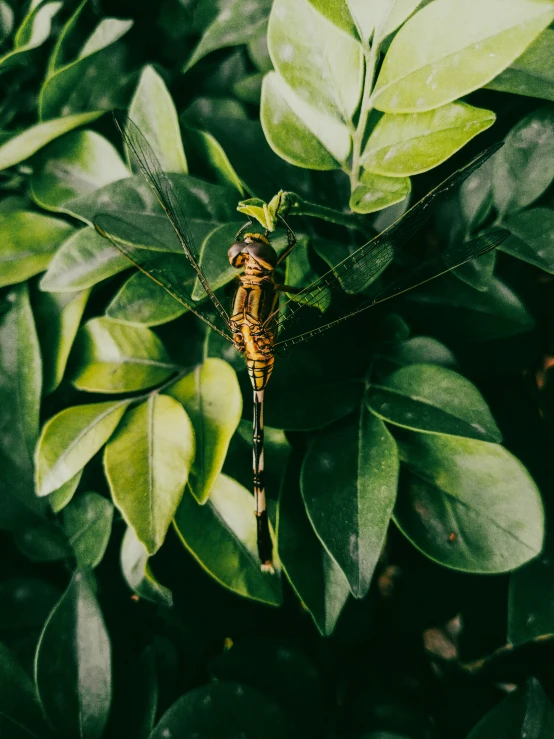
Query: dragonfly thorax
x=255 y=252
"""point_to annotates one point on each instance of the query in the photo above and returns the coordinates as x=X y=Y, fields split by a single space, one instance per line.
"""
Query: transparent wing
x=163 y=190
x=170 y=269
x=357 y=271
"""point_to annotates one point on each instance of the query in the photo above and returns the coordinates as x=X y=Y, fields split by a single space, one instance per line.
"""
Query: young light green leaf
x=153 y=111
x=313 y=573
x=338 y=13
x=408 y=144
x=236 y=22
x=147 y=464
x=73 y=663
x=376 y=192
x=113 y=357
x=468 y=504
x=319 y=62
x=441 y=53
x=427 y=397
x=23 y=145
x=6 y=20
x=212 y=398
x=59 y=498
x=299 y=133
x=137 y=572
x=28 y=244
x=524 y=168
x=72 y=166
x=62 y=90
x=142 y=301
x=84 y=260
x=533 y=72
x=71 y=438
x=87 y=522
x=19 y=708
x=58 y=318
x=32 y=33
x=380 y=17
x=221 y=536
x=532 y=237
x=352 y=467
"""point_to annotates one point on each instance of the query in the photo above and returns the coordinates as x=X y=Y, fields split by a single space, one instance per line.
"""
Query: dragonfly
x=262 y=319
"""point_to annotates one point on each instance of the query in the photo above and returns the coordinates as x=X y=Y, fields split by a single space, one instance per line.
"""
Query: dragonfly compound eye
x=262 y=252
x=237 y=253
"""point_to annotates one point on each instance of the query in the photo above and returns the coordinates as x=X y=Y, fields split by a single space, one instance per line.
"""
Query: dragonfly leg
x=291 y=241
x=265 y=546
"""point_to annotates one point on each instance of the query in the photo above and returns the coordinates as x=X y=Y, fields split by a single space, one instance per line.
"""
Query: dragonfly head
x=256 y=246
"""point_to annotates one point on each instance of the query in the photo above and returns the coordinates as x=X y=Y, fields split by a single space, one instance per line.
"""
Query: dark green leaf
x=532 y=237
x=43 y=541
x=530 y=604
x=142 y=301
x=533 y=72
x=19 y=707
x=87 y=523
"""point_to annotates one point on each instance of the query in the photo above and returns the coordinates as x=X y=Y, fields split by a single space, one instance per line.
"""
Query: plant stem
x=371 y=56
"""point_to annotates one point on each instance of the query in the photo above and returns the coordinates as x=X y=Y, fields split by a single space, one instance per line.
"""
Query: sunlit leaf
x=137 y=572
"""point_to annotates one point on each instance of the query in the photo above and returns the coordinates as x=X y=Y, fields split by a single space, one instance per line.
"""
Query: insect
x=257 y=322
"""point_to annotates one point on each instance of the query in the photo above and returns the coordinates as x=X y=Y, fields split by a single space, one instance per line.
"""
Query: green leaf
x=380 y=17
x=19 y=707
x=71 y=438
x=525 y=714
x=352 y=467
x=313 y=573
x=84 y=260
x=137 y=572
x=441 y=53
x=28 y=243
x=221 y=536
x=337 y=12
x=234 y=710
x=87 y=522
x=427 y=397
x=319 y=62
x=72 y=166
x=299 y=133
x=468 y=504
x=59 y=498
x=214 y=158
x=236 y=22
x=402 y=145
x=524 y=167
x=32 y=33
x=377 y=192
x=23 y=145
x=43 y=541
x=66 y=90
x=530 y=605
x=142 y=301
x=6 y=20
x=212 y=399
x=58 y=319
x=419 y=350
x=153 y=111
x=115 y=357
x=20 y=391
x=73 y=663
x=475 y=196
x=532 y=237
x=533 y=72
x=147 y=463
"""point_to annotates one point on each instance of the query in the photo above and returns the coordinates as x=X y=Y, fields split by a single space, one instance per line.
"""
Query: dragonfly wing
x=357 y=271
x=167 y=267
x=162 y=188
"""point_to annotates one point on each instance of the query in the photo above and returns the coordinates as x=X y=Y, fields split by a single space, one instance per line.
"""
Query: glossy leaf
x=408 y=144
x=19 y=707
x=74 y=165
x=234 y=709
x=532 y=237
x=87 y=522
x=71 y=438
x=315 y=576
x=468 y=504
x=147 y=464
x=23 y=145
x=533 y=72
x=377 y=192
x=32 y=33
x=352 y=468
x=6 y=20
x=64 y=87
x=427 y=397
x=320 y=63
x=73 y=663
x=137 y=572
x=338 y=13
x=381 y=17
x=524 y=168
x=419 y=350
x=212 y=399
x=113 y=357
x=142 y=301
x=59 y=498
x=235 y=22
x=58 y=319
x=442 y=53
x=214 y=157
x=221 y=536
x=299 y=133
x=476 y=199
x=28 y=244
x=84 y=260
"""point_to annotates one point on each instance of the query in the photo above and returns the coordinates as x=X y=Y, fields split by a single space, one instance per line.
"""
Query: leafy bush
x=128 y=532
